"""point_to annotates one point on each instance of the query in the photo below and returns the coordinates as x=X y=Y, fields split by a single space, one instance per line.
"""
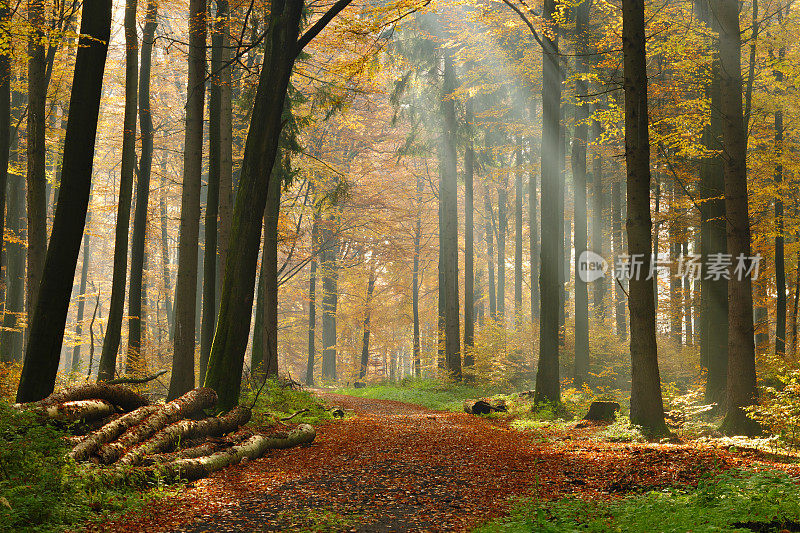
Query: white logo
x=591 y=266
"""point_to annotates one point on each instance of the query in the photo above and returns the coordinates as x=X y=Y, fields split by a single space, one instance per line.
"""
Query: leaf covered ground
x=391 y=466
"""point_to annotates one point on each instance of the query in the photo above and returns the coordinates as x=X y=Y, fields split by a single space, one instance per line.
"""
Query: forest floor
x=391 y=466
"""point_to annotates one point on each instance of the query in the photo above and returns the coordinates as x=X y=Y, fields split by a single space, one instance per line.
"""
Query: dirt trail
x=400 y=467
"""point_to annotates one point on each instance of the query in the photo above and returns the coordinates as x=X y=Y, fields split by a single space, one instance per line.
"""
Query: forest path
x=391 y=466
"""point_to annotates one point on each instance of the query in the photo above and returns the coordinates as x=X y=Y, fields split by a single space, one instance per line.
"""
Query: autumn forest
x=399 y=265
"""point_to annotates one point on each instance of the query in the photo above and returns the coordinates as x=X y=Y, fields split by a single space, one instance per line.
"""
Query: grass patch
x=723 y=502
x=276 y=400
x=319 y=520
x=433 y=394
x=41 y=490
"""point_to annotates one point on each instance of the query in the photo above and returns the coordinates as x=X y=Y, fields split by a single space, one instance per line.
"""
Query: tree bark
x=489 y=224
x=138 y=256
x=92 y=442
x=647 y=409
x=780 y=256
x=741 y=388
x=547 y=375
x=502 y=233
x=533 y=232
x=122 y=397
x=469 y=244
x=518 y=195
x=367 y=315
x=416 y=279
x=5 y=119
x=598 y=220
x=165 y=252
x=76 y=350
x=108 y=357
x=448 y=239
x=225 y=144
x=312 y=301
x=36 y=153
x=50 y=314
x=619 y=290
x=182 y=379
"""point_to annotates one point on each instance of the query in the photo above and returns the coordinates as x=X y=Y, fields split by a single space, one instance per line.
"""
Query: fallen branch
x=304 y=410
x=191 y=402
x=201 y=450
x=135 y=381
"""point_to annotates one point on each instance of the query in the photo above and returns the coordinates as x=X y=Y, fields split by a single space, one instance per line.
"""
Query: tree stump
x=602 y=411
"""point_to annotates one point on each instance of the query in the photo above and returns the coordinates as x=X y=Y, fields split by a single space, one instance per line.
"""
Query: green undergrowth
x=433 y=394
x=276 y=400
x=735 y=500
x=41 y=490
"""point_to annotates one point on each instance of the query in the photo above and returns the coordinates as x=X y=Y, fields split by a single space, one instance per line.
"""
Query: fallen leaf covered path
x=401 y=467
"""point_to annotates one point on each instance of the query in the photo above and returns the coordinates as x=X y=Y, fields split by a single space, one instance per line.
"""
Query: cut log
x=252 y=448
x=122 y=397
x=191 y=402
x=201 y=450
x=602 y=411
x=484 y=406
x=169 y=437
x=109 y=432
x=75 y=411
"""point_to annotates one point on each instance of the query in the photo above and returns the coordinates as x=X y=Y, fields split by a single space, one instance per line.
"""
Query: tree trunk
x=741 y=389
x=448 y=239
x=416 y=279
x=713 y=293
x=76 y=350
x=687 y=301
x=647 y=409
x=236 y=302
x=213 y=199
x=598 y=220
x=5 y=119
x=137 y=295
x=469 y=245
x=547 y=375
x=108 y=357
x=367 y=312
x=330 y=296
x=533 y=234
x=222 y=25
x=616 y=229
x=676 y=236
x=502 y=233
x=312 y=301
x=580 y=210
x=50 y=314
x=489 y=223
x=182 y=379
x=165 y=251
x=518 y=311
x=780 y=259
x=36 y=176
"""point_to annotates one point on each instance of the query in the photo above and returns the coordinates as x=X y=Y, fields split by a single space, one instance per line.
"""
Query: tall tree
x=713 y=329
x=76 y=350
x=5 y=114
x=108 y=358
x=329 y=261
x=448 y=236
x=236 y=302
x=780 y=256
x=469 y=242
x=547 y=375
x=138 y=256
x=741 y=388
x=416 y=278
x=186 y=284
x=518 y=196
x=36 y=181
x=598 y=220
x=647 y=408
x=367 y=315
x=50 y=314
x=533 y=236
x=312 y=300
x=489 y=231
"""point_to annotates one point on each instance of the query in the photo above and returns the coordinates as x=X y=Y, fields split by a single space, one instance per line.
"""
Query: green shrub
x=276 y=400
x=717 y=504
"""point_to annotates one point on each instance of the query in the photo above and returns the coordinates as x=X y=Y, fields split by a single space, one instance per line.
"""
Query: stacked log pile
x=126 y=438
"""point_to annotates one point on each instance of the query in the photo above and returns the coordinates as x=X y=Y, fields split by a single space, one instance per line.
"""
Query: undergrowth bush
x=277 y=399
x=722 y=502
x=41 y=490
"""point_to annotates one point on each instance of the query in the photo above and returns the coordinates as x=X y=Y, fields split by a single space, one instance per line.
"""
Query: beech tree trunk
x=533 y=233
x=518 y=195
x=108 y=357
x=182 y=379
x=448 y=241
x=138 y=256
x=741 y=389
x=780 y=256
x=547 y=375
x=469 y=246
x=416 y=279
x=37 y=171
x=367 y=315
x=50 y=314
x=599 y=221
x=619 y=290
x=5 y=118
x=76 y=350
x=489 y=224
x=581 y=182
x=312 y=301
x=647 y=409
